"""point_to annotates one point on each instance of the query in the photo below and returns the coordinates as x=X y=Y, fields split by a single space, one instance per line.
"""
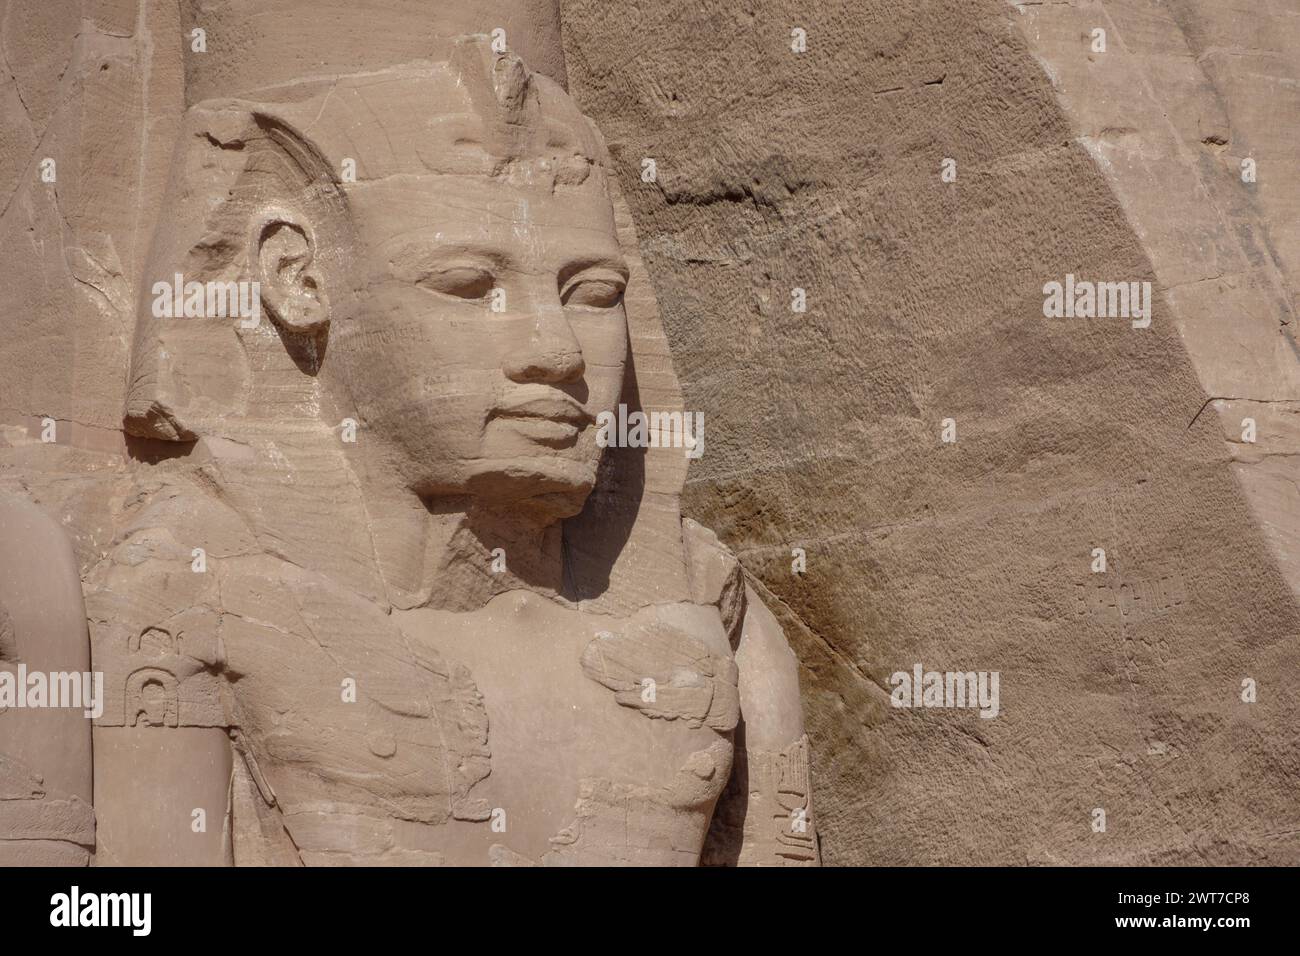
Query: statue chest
x=609 y=737
x=525 y=732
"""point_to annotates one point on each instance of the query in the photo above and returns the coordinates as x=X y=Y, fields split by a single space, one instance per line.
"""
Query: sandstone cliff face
x=1191 y=114
x=821 y=170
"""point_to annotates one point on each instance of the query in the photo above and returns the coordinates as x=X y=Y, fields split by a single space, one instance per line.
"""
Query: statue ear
x=290 y=283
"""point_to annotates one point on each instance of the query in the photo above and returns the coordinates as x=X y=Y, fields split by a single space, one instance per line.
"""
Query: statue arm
x=45 y=752
x=764 y=816
x=163 y=756
x=163 y=796
x=771 y=774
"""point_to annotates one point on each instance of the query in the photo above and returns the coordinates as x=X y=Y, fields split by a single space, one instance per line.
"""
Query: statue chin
x=543 y=485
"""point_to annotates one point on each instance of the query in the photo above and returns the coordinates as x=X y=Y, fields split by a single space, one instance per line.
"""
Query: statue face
x=488 y=332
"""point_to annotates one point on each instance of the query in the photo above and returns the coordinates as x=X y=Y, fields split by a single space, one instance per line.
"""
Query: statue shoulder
x=764 y=817
x=769 y=670
x=715 y=576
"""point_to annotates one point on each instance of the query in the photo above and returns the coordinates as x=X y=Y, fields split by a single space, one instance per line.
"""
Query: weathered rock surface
x=822 y=171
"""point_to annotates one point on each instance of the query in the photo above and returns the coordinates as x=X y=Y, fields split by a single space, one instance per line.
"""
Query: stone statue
x=45 y=763
x=378 y=594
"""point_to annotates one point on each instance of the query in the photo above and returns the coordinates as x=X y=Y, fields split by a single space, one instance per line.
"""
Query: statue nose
x=552 y=355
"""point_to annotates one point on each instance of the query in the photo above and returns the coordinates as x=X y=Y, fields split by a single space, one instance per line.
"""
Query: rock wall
x=776 y=170
x=1191 y=114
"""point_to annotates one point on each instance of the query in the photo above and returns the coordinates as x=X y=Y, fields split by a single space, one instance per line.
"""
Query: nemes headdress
x=306 y=142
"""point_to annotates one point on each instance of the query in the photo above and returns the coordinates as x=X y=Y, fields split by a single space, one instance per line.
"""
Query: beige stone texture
x=821 y=171
x=365 y=588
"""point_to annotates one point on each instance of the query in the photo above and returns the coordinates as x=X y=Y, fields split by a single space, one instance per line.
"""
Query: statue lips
x=544 y=414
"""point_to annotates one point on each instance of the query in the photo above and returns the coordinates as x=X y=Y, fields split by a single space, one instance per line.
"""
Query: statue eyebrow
x=606 y=259
x=428 y=251
x=425 y=252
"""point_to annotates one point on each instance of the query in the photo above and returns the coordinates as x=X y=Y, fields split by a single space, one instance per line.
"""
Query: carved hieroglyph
x=376 y=593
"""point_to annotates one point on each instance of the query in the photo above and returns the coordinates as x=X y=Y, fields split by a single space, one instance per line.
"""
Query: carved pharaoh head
x=436 y=259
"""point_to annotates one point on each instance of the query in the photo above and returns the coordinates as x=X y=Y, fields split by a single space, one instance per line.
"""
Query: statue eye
x=463 y=282
x=593 y=291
